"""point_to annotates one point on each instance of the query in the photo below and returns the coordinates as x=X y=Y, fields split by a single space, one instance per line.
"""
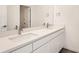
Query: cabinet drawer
x=43 y=49
x=44 y=40
x=25 y=49
x=40 y=42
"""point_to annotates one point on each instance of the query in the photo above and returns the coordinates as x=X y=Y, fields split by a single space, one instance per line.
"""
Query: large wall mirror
x=13 y=17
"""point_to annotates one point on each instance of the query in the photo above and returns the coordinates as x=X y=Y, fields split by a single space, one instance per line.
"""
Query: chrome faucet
x=43 y=24
x=46 y=24
x=19 y=31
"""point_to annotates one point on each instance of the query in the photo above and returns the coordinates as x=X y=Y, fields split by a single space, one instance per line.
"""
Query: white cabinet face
x=50 y=44
x=53 y=46
x=56 y=44
x=40 y=42
x=43 y=49
x=26 y=49
x=46 y=39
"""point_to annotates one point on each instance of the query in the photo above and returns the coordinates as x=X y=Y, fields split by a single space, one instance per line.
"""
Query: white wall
x=13 y=16
x=3 y=17
x=47 y=12
x=69 y=15
x=34 y=16
x=41 y=14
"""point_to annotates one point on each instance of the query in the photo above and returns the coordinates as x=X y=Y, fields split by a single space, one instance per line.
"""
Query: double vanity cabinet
x=51 y=43
x=43 y=40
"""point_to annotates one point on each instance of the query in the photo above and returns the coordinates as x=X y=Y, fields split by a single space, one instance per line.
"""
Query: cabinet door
x=43 y=49
x=26 y=49
x=52 y=46
x=57 y=43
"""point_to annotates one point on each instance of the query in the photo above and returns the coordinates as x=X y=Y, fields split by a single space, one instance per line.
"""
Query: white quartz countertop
x=7 y=45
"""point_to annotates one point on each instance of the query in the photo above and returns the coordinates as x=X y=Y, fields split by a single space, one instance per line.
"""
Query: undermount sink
x=23 y=37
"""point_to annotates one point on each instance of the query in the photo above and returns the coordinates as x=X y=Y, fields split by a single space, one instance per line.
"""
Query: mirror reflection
x=15 y=17
x=25 y=16
x=9 y=17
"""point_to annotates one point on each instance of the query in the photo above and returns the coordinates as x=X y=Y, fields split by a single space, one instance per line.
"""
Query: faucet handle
x=43 y=24
x=47 y=25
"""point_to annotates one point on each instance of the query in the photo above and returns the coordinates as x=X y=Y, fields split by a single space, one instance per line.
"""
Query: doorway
x=25 y=16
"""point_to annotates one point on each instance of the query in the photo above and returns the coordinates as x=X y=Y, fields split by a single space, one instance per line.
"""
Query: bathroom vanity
x=43 y=40
x=20 y=31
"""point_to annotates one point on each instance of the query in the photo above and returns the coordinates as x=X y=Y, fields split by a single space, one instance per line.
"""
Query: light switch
x=58 y=14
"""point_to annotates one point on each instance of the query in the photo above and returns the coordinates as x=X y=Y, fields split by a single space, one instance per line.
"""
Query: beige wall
x=13 y=16
x=41 y=14
x=34 y=16
x=3 y=17
x=69 y=15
